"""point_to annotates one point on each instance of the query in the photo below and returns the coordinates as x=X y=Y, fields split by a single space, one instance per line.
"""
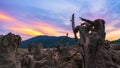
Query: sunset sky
x=30 y=18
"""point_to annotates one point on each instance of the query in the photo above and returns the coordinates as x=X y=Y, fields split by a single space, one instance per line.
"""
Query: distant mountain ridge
x=52 y=41
x=48 y=41
x=116 y=41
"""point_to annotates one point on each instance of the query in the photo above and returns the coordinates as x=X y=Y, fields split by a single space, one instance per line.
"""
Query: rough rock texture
x=8 y=48
x=107 y=58
x=42 y=58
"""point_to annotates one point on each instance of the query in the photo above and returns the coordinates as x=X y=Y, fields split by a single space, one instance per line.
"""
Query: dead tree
x=92 y=34
x=82 y=38
x=73 y=28
x=98 y=26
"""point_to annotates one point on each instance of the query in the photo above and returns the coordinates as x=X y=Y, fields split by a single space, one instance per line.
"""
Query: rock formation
x=8 y=49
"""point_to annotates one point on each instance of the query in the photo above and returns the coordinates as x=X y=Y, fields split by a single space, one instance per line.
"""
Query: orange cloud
x=18 y=26
x=4 y=16
x=27 y=31
x=30 y=29
x=48 y=28
x=113 y=35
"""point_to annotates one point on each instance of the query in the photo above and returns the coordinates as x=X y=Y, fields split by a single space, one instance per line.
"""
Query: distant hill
x=52 y=41
x=48 y=41
x=116 y=41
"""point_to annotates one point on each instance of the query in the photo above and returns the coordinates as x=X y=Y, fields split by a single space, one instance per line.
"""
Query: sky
x=29 y=18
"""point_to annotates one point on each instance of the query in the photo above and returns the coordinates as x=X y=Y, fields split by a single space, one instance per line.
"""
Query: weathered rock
x=115 y=56
x=8 y=48
x=103 y=58
x=115 y=46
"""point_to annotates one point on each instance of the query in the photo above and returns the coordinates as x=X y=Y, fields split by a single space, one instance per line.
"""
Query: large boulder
x=8 y=48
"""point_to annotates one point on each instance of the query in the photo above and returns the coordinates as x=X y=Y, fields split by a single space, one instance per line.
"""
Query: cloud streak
x=52 y=17
x=32 y=28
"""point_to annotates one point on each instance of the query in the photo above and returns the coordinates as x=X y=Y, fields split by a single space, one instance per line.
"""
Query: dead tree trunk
x=73 y=27
x=90 y=41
